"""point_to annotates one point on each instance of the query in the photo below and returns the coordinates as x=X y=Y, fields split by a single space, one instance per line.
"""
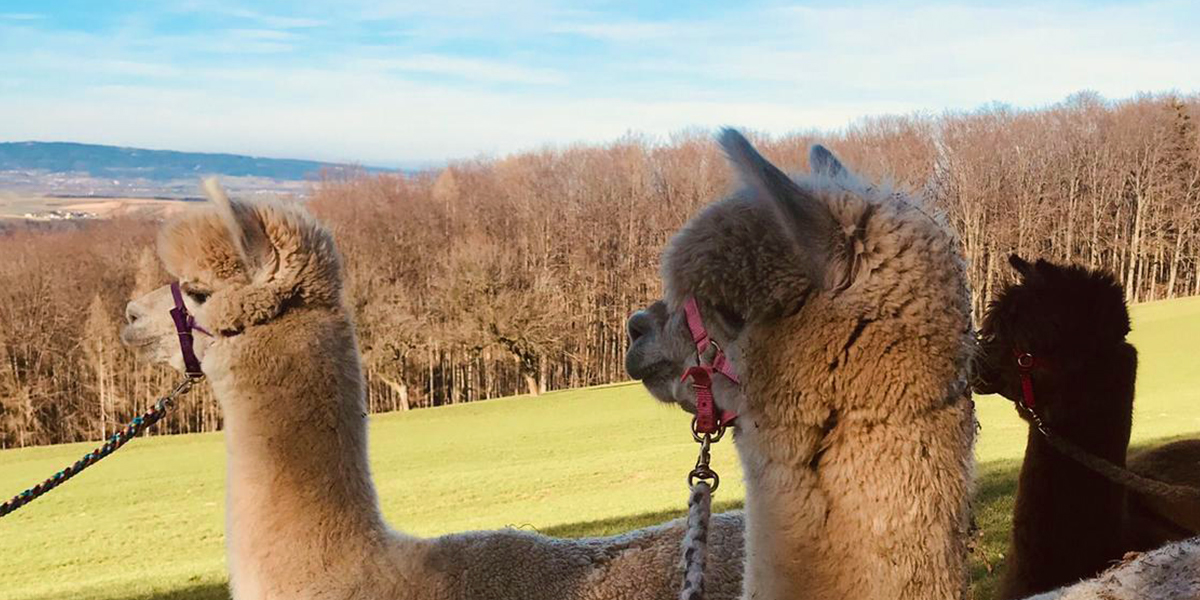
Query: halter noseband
x=185 y=324
x=707 y=419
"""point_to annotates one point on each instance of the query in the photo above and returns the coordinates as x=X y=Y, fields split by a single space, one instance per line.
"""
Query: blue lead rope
x=115 y=441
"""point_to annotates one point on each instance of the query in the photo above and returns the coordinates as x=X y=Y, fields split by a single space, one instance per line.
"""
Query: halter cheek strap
x=720 y=363
x=1026 y=362
x=185 y=323
x=707 y=419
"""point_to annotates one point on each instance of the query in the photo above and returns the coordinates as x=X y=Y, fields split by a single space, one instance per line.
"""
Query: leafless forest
x=515 y=275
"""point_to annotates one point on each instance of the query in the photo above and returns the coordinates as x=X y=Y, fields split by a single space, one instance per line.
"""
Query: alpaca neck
x=826 y=519
x=300 y=499
x=779 y=556
x=1068 y=522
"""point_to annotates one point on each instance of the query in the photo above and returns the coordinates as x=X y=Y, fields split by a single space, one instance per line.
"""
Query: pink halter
x=707 y=420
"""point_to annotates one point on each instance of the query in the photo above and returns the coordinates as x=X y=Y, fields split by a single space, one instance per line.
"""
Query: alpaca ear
x=806 y=220
x=823 y=162
x=249 y=240
x=1022 y=267
x=264 y=293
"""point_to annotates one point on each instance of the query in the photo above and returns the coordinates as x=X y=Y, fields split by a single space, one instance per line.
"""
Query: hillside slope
x=113 y=162
x=147 y=523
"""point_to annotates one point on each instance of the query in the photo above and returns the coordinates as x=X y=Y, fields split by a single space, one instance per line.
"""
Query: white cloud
x=466 y=68
x=773 y=70
x=353 y=118
x=212 y=7
x=261 y=34
x=279 y=22
x=632 y=31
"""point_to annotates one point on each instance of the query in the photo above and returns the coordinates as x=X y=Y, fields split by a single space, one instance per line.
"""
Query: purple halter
x=185 y=323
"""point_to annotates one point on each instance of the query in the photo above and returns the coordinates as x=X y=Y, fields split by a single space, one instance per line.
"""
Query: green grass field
x=147 y=522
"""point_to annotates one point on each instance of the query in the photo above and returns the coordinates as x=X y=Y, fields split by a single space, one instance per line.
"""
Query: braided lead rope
x=139 y=424
x=1118 y=475
x=1121 y=476
x=695 y=543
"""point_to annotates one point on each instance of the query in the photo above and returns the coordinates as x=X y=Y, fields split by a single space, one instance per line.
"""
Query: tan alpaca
x=302 y=518
x=844 y=308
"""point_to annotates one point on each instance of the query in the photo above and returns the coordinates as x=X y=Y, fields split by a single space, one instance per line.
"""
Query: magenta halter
x=185 y=323
x=707 y=419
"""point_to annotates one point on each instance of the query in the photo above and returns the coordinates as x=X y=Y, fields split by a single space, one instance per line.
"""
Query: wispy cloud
x=409 y=83
x=476 y=70
x=624 y=31
x=21 y=17
x=278 y=22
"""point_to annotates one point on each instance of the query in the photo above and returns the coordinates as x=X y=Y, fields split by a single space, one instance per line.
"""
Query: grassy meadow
x=147 y=522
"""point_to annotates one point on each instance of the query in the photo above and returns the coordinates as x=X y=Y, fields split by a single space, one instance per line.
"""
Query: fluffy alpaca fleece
x=302 y=517
x=1171 y=572
x=1070 y=522
x=845 y=309
x=1154 y=520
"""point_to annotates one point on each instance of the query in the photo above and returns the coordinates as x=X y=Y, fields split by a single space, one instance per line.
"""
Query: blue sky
x=409 y=84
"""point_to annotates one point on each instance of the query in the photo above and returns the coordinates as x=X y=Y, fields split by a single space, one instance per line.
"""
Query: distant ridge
x=114 y=162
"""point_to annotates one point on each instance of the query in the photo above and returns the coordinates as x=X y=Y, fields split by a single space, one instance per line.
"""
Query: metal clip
x=703 y=471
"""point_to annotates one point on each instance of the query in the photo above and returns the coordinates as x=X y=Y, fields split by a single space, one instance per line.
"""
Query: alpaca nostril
x=639 y=325
x=132 y=313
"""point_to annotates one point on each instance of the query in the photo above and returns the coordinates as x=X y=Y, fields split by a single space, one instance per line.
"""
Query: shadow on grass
x=995 y=490
x=209 y=591
x=618 y=525
x=995 y=487
x=194 y=591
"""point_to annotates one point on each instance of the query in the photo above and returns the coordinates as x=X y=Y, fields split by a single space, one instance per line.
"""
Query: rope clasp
x=703 y=470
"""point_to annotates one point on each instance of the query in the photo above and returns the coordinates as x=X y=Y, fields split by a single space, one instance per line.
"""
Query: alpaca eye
x=197 y=296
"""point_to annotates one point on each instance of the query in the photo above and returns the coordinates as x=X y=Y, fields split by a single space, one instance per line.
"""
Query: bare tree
x=515 y=275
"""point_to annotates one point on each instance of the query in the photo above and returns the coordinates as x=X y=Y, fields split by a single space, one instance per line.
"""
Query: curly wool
x=853 y=326
x=1172 y=571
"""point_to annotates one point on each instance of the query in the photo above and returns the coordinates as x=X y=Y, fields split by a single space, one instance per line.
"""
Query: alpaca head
x=758 y=257
x=661 y=349
x=239 y=265
x=1062 y=315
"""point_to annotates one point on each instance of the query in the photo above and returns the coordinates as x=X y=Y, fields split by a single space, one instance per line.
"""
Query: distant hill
x=113 y=162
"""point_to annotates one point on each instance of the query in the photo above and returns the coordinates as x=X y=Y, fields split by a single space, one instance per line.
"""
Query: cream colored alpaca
x=844 y=308
x=302 y=518
x=1171 y=572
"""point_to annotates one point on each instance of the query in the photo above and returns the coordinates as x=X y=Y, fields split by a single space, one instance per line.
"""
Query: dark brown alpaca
x=1070 y=523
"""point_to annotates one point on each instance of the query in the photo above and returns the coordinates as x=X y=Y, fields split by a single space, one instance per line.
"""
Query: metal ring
x=712 y=439
x=1025 y=361
x=719 y=351
x=704 y=476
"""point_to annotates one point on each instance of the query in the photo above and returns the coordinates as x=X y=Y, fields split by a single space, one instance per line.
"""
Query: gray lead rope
x=695 y=543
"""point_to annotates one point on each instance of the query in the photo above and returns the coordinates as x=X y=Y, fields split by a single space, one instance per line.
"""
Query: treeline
x=515 y=275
